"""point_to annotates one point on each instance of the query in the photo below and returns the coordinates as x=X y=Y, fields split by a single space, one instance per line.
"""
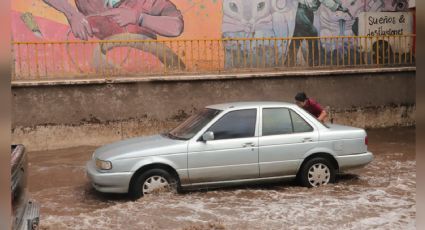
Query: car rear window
x=278 y=121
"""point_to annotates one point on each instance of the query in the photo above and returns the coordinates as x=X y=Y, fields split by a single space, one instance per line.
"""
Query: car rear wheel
x=316 y=172
x=151 y=182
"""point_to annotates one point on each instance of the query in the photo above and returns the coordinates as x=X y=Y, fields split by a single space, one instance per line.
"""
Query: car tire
x=316 y=171
x=153 y=181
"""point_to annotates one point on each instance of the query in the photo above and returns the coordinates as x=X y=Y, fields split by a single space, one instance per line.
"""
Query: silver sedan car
x=227 y=144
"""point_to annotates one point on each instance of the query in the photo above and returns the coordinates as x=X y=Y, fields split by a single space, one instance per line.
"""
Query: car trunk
x=345 y=139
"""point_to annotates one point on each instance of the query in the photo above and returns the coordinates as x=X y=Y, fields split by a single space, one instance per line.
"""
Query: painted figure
x=339 y=24
x=305 y=27
x=103 y=18
x=257 y=19
x=343 y=24
x=121 y=20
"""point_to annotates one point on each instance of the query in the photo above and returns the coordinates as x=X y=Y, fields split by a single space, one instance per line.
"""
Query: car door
x=232 y=155
x=285 y=138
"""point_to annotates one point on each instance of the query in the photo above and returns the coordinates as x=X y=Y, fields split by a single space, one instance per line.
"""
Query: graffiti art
x=255 y=33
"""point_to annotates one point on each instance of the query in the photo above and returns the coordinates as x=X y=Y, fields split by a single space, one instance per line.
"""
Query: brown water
x=380 y=196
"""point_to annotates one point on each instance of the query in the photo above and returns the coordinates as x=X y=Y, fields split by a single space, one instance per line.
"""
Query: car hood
x=139 y=147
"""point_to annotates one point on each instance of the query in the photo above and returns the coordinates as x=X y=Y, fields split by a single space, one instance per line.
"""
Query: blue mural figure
x=257 y=19
x=341 y=51
x=283 y=19
x=270 y=19
x=305 y=27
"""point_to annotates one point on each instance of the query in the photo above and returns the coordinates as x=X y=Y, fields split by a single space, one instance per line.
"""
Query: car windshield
x=193 y=124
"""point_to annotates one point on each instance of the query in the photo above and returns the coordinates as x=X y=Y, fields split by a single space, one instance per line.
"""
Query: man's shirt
x=313 y=107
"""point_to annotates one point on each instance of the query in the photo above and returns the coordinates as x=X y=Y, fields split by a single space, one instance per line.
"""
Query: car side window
x=299 y=124
x=235 y=124
x=276 y=121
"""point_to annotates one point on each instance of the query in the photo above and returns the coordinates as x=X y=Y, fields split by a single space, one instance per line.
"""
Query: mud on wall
x=52 y=117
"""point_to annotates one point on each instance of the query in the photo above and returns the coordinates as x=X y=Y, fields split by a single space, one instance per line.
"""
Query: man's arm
x=322 y=116
x=318 y=109
x=77 y=21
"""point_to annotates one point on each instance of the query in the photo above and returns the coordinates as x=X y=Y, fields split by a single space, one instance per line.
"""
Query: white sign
x=387 y=26
x=384 y=23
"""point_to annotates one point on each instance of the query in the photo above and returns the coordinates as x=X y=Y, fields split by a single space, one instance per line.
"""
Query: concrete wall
x=59 y=116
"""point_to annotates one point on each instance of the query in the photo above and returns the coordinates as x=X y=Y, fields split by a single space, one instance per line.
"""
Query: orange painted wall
x=202 y=18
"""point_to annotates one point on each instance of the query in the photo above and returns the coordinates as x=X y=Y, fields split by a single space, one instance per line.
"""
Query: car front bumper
x=117 y=182
x=354 y=161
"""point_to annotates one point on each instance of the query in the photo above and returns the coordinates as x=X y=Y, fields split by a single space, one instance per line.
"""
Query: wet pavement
x=379 y=196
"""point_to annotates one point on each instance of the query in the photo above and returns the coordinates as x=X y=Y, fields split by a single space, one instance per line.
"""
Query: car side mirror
x=208 y=136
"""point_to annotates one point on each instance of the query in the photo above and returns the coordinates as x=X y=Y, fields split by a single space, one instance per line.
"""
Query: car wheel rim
x=155 y=184
x=318 y=174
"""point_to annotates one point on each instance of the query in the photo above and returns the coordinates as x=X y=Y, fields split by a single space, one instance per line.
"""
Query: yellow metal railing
x=109 y=58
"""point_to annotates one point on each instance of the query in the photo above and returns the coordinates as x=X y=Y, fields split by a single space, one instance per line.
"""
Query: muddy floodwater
x=379 y=196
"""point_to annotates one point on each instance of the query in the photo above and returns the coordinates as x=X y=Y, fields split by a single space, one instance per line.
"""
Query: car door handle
x=248 y=144
x=307 y=139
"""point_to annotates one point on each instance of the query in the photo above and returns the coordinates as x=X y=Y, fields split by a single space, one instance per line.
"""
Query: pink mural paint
x=101 y=19
x=152 y=20
x=98 y=19
x=50 y=30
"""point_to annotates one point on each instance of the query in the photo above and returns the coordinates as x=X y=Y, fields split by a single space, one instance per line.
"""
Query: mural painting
x=257 y=19
x=104 y=18
x=111 y=20
x=165 y=20
x=120 y=20
x=298 y=19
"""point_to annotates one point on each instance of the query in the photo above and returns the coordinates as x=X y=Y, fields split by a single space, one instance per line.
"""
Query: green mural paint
x=30 y=22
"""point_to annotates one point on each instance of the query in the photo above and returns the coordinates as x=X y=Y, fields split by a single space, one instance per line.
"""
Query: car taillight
x=366 y=141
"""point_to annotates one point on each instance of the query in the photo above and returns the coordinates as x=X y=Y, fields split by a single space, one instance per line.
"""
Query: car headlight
x=103 y=165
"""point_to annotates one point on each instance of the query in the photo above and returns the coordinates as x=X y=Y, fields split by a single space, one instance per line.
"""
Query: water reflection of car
x=227 y=144
x=25 y=211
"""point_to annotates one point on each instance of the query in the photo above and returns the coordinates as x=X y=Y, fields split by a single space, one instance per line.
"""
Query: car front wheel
x=316 y=172
x=153 y=181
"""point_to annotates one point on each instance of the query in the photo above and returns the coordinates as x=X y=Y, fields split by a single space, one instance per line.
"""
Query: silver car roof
x=249 y=104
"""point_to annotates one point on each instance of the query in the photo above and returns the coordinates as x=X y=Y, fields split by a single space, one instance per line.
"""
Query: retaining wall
x=53 y=115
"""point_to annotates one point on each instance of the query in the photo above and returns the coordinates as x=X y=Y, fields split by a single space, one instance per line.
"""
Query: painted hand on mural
x=80 y=27
x=77 y=21
x=374 y=5
x=123 y=16
x=342 y=9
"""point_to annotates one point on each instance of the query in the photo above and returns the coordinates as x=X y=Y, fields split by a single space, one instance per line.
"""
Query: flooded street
x=379 y=196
